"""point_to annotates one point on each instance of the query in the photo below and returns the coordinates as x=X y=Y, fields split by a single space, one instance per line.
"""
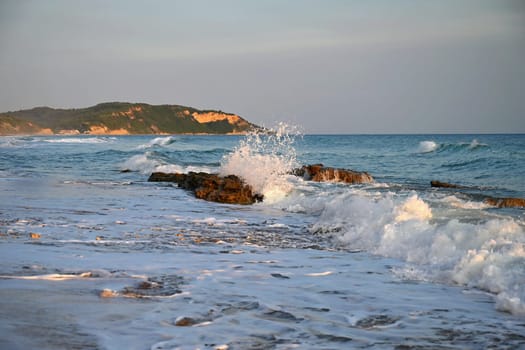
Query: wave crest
x=427 y=146
x=430 y=146
x=158 y=141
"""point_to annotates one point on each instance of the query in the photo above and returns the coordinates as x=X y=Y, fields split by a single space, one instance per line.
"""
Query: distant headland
x=122 y=118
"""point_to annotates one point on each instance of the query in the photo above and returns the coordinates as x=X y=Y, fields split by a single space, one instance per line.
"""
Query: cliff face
x=10 y=125
x=119 y=118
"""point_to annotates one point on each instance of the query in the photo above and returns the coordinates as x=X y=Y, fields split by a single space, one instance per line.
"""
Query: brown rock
x=108 y=293
x=495 y=202
x=506 y=202
x=212 y=187
x=320 y=173
x=185 y=321
x=435 y=183
x=164 y=177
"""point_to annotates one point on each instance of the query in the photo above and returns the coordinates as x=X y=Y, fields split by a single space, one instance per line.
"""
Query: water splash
x=263 y=160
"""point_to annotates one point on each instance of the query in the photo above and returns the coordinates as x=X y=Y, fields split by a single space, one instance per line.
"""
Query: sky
x=327 y=66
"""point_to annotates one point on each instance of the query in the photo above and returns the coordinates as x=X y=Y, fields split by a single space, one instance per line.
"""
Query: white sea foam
x=263 y=160
x=56 y=276
x=463 y=204
x=489 y=255
x=427 y=146
x=10 y=142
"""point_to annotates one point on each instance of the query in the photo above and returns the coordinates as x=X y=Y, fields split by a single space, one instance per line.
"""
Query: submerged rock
x=320 y=173
x=160 y=286
x=374 y=321
x=212 y=187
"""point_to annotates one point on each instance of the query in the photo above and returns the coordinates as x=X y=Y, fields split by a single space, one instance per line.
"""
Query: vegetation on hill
x=121 y=118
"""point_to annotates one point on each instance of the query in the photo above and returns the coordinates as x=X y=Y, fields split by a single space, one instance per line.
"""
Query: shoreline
x=125 y=134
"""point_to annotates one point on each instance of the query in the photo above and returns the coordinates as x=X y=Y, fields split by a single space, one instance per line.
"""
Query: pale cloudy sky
x=328 y=66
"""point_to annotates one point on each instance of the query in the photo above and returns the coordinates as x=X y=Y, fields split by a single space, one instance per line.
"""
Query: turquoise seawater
x=117 y=262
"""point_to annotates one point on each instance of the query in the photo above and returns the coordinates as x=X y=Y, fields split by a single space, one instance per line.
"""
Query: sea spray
x=264 y=160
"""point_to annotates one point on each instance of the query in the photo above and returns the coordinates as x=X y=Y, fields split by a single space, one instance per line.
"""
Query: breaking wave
x=158 y=141
x=29 y=141
x=430 y=146
x=427 y=146
x=488 y=254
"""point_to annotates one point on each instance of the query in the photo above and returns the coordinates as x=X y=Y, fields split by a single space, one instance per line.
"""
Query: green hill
x=121 y=118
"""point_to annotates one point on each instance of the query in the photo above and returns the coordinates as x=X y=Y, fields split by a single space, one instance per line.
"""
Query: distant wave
x=27 y=141
x=158 y=141
x=15 y=141
x=432 y=146
x=466 y=163
x=81 y=140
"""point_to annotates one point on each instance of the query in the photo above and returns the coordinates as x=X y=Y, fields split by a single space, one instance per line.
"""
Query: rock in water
x=231 y=189
x=495 y=202
x=435 y=183
x=506 y=202
x=212 y=187
x=320 y=173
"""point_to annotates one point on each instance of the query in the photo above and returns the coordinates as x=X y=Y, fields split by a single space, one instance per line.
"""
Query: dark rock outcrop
x=212 y=187
x=495 y=202
x=231 y=189
x=320 y=173
x=506 y=202
x=436 y=183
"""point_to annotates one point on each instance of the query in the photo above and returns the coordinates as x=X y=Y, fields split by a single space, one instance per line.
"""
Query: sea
x=93 y=256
